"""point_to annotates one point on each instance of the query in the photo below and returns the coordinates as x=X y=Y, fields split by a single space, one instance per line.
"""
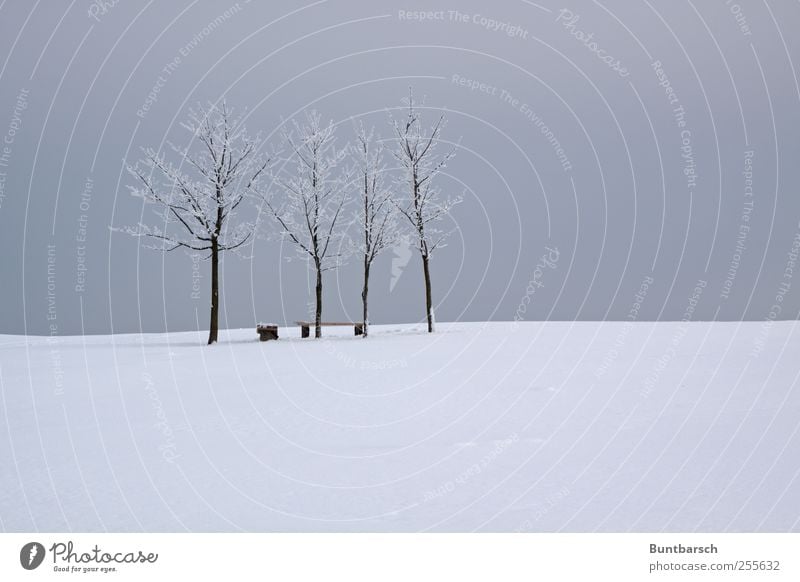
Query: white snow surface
x=479 y=427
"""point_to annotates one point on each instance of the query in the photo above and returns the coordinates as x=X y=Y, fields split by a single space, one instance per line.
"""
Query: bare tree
x=376 y=213
x=315 y=193
x=197 y=207
x=424 y=206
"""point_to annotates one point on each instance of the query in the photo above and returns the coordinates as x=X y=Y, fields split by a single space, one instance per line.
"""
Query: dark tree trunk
x=212 y=331
x=318 y=315
x=428 y=300
x=364 y=295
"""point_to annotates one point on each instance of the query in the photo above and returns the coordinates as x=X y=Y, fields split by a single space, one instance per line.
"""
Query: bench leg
x=359 y=329
x=304 y=331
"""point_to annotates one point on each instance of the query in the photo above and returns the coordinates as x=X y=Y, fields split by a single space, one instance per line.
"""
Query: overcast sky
x=652 y=147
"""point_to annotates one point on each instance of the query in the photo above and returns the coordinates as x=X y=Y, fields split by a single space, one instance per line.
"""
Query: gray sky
x=659 y=152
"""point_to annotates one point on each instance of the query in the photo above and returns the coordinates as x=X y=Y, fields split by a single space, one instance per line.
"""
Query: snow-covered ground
x=490 y=427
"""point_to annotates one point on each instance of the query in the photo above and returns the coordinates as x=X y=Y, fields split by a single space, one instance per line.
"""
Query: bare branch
x=222 y=167
x=416 y=153
x=314 y=191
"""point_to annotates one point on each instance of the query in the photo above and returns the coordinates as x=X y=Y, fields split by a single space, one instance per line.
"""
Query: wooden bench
x=305 y=326
x=267 y=332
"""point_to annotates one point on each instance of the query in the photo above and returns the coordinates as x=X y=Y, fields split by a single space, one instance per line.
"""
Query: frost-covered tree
x=423 y=205
x=197 y=198
x=375 y=214
x=314 y=193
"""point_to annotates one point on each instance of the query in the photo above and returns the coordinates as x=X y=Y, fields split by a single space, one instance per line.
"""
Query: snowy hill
x=481 y=426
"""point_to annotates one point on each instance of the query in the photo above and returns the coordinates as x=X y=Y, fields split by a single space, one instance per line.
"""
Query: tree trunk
x=364 y=295
x=212 y=331
x=318 y=315
x=428 y=301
